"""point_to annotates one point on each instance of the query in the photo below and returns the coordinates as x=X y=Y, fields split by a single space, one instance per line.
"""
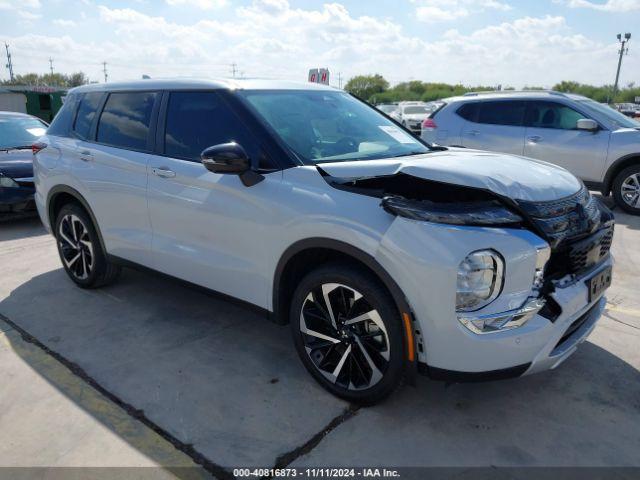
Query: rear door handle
x=163 y=172
x=534 y=138
x=85 y=156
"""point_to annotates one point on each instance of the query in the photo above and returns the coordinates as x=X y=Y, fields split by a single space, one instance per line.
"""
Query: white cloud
x=432 y=11
x=270 y=38
x=201 y=4
x=61 y=22
x=620 y=6
x=24 y=4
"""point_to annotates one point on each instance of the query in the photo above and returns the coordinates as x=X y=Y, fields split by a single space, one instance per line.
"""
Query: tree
x=366 y=86
x=51 y=80
x=76 y=79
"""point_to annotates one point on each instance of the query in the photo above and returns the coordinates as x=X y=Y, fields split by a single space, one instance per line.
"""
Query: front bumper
x=425 y=270
x=17 y=202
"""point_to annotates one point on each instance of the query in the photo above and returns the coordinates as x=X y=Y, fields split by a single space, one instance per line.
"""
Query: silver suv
x=591 y=140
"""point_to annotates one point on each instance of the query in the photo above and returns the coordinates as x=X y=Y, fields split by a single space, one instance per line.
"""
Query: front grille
x=578 y=228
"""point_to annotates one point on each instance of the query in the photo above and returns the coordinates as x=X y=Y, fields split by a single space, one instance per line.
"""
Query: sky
x=474 y=42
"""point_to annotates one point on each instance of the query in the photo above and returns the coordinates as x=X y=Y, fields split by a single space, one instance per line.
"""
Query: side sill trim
x=468 y=377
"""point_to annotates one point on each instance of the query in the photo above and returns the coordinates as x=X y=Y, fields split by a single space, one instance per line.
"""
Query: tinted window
x=62 y=121
x=469 y=111
x=552 y=115
x=502 y=113
x=125 y=120
x=86 y=111
x=45 y=102
x=197 y=120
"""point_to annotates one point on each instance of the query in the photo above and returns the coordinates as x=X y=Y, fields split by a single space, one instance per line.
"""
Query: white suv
x=387 y=256
x=593 y=141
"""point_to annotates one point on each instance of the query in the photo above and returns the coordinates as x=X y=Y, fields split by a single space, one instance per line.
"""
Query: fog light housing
x=480 y=279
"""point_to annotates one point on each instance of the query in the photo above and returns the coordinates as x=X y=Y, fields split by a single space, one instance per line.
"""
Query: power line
x=9 y=63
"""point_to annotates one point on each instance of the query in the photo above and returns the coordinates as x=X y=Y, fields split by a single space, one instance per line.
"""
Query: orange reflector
x=410 y=344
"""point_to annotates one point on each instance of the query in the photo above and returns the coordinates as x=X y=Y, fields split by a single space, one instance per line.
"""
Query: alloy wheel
x=344 y=336
x=75 y=246
x=630 y=190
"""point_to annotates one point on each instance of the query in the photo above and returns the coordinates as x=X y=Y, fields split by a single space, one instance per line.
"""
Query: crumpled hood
x=515 y=177
x=16 y=163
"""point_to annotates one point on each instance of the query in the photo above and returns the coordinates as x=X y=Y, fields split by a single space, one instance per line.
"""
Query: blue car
x=18 y=132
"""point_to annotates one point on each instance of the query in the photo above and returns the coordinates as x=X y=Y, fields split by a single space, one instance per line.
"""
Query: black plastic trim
x=455 y=376
x=615 y=168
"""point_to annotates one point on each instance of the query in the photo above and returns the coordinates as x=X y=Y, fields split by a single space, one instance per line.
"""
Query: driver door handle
x=163 y=172
x=534 y=138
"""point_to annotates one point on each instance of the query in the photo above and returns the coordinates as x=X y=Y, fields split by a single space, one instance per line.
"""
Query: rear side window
x=125 y=120
x=61 y=123
x=197 y=120
x=86 y=111
x=509 y=113
x=469 y=111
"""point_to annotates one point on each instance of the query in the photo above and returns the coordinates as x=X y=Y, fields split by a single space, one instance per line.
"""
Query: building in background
x=38 y=100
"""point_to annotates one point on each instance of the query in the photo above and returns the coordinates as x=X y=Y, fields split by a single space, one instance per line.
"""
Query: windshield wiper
x=409 y=154
x=20 y=147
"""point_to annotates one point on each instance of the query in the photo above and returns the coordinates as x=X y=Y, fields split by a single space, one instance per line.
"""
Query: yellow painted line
x=116 y=419
x=627 y=311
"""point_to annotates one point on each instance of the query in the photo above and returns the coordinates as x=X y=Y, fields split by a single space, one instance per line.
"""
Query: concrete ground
x=148 y=372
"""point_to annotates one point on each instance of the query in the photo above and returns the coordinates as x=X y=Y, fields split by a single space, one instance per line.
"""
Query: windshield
x=19 y=131
x=327 y=126
x=619 y=119
x=417 y=110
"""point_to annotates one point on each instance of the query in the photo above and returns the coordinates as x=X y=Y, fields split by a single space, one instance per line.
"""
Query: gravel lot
x=150 y=372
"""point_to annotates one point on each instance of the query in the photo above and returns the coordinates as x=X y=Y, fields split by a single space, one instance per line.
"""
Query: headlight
x=460 y=213
x=7 y=182
x=480 y=278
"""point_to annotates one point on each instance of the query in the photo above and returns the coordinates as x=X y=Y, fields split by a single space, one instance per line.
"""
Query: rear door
x=112 y=170
x=551 y=135
x=209 y=228
x=494 y=125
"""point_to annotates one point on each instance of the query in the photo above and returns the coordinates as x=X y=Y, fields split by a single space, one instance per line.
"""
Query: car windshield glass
x=328 y=126
x=416 y=110
x=19 y=131
x=619 y=119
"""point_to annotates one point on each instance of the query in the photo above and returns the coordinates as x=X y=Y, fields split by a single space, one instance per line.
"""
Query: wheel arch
x=61 y=195
x=615 y=168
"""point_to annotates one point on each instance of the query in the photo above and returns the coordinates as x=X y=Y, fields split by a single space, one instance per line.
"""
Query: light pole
x=623 y=50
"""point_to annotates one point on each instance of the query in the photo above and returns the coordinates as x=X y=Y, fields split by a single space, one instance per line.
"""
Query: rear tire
x=626 y=189
x=348 y=334
x=80 y=250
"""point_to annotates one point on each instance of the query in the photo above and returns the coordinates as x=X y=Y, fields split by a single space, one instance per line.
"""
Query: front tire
x=347 y=331
x=626 y=189
x=80 y=250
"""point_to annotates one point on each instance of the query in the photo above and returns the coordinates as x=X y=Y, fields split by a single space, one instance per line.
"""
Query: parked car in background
x=412 y=114
x=387 y=256
x=629 y=109
x=593 y=141
x=18 y=132
x=390 y=109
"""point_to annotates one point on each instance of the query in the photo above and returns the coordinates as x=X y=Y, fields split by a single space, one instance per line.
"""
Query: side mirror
x=230 y=158
x=587 y=124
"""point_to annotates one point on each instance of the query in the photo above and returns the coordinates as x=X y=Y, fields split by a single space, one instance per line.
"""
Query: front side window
x=504 y=112
x=552 y=115
x=17 y=131
x=197 y=120
x=330 y=126
x=125 y=120
x=86 y=111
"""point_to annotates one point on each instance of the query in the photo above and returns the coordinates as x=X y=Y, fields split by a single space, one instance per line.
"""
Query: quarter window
x=125 y=120
x=469 y=111
x=197 y=120
x=86 y=111
x=502 y=113
x=552 y=115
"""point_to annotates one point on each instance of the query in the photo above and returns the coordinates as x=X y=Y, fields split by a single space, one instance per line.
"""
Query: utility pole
x=51 y=65
x=339 y=79
x=9 y=63
x=104 y=69
x=623 y=51
x=234 y=68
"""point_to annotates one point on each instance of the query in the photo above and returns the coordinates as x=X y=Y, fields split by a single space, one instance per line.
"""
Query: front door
x=551 y=135
x=209 y=228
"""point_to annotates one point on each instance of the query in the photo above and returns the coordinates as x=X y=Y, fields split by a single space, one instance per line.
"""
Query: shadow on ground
x=227 y=381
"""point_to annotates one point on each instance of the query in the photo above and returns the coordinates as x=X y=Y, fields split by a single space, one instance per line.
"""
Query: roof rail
x=506 y=92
